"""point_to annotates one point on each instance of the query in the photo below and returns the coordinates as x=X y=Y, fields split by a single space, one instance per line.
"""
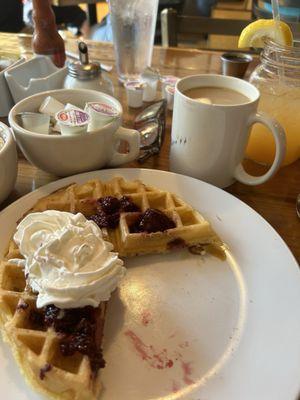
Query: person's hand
x=58 y=55
x=46 y=39
x=49 y=42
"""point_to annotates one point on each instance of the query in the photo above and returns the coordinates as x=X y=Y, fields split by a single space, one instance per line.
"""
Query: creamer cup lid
x=135 y=84
x=170 y=89
x=170 y=80
x=104 y=109
x=150 y=73
x=72 y=117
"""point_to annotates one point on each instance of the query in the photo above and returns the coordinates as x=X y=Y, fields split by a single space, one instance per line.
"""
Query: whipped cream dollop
x=66 y=260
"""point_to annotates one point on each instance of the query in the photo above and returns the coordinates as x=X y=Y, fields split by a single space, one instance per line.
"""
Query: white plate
x=183 y=327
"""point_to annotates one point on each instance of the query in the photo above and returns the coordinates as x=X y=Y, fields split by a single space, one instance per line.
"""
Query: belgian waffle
x=191 y=227
x=36 y=348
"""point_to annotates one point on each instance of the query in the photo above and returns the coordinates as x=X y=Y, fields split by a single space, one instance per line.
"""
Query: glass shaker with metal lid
x=84 y=74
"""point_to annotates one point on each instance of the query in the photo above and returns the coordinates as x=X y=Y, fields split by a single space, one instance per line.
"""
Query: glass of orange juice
x=278 y=79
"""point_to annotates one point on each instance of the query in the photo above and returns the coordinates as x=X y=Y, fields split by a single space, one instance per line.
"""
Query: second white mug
x=209 y=140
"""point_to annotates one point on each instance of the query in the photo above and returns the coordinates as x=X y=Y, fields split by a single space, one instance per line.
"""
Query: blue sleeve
x=204 y=7
x=104 y=32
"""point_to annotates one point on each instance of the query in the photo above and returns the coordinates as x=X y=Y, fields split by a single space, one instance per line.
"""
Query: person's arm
x=46 y=39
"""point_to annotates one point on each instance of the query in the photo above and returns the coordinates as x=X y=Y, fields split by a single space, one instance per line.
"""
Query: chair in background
x=162 y=4
x=174 y=24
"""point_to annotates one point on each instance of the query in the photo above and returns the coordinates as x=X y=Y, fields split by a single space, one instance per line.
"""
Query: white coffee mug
x=209 y=140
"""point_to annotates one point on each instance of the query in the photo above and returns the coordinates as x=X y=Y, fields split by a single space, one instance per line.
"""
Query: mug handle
x=132 y=137
x=280 y=141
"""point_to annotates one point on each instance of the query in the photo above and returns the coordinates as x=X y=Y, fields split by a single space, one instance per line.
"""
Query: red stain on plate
x=162 y=359
x=155 y=359
x=187 y=372
x=175 y=387
x=146 y=317
x=139 y=345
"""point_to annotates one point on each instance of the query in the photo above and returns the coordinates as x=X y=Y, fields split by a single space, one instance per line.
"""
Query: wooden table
x=274 y=200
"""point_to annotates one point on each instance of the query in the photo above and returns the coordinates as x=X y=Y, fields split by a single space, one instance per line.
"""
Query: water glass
x=133 y=26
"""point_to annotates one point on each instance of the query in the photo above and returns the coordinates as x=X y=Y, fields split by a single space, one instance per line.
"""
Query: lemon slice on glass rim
x=256 y=32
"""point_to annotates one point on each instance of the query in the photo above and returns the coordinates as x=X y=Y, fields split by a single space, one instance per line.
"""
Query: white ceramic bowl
x=8 y=162
x=65 y=155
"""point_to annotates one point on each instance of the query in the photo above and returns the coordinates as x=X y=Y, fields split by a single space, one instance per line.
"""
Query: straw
x=276 y=14
x=275 y=10
x=276 y=17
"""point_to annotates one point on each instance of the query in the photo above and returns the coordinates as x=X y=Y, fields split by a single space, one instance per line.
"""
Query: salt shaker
x=84 y=74
x=135 y=92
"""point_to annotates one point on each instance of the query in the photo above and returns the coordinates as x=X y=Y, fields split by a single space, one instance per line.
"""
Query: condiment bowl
x=8 y=162
x=34 y=76
x=67 y=155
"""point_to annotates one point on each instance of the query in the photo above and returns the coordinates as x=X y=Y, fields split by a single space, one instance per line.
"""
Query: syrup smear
x=161 y=359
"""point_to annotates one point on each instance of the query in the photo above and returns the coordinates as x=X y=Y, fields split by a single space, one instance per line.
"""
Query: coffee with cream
x=216 y=95
x=208 y=140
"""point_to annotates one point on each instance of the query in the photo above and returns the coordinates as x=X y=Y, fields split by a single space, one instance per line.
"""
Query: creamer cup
x=170 y=91
x=51 y=106
x=135 y=91
x=150 y=76
x=167 y=80
x=100 y=114
x=35 y=122
x=73 y=121
x=150 y=89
